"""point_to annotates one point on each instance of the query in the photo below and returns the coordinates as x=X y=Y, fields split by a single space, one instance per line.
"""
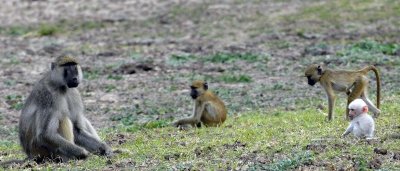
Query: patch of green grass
x=221 y=57
x=126 y=116
x=279 y=86
x=52 y=28
x=181 y=12
x=376 y=47
x=91 y=74
x=8 y=133
x=136 y=56
x=280 y=44
x=295 y=161
x=87 y=48
x=110 y=88
x=48 y=30
x=6 y=143
x=131 y=116
x=360 y=53
x=114 y=77
x=14 y=60
x=177 y=60
x=156 y=124
x=233 y=78
x=16 y=30
x=338 y=14
x=372 y=52
x=15 y=101
x=130 y=121
x=281 y=139
x=10 y=82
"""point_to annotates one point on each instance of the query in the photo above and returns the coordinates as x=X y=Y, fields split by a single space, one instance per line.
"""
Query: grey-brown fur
x=53 y=99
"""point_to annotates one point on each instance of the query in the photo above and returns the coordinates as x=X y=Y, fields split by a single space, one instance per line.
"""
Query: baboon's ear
x=319 y=70
x=365 y=109
x=205 y=86
x=53 y=65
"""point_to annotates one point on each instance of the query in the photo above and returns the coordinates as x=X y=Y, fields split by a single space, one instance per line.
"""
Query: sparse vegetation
x=48 y=30
x=251 y=141
x=115 y=77
x=232 y=57
x=15 y=30
x=15 y=101
x=91 y=74
x=371 y=52
x=296 y=160
x=110 y=88
x=219 y=57
x=176 y=60
x=233 y=78
x=252 y=53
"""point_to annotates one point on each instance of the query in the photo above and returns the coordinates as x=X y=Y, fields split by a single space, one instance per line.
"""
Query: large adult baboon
x=52 y=123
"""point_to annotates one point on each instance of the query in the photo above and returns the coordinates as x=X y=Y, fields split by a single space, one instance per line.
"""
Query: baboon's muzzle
x=311 y=82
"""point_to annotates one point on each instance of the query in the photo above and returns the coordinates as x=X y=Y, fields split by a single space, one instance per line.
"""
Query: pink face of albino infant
x=357 y=107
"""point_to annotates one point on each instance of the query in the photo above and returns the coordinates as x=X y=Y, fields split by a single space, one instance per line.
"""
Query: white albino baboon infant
x=362 y=125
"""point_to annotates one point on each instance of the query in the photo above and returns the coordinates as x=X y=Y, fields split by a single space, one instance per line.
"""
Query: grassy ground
x=139 y=56
x=271 y=140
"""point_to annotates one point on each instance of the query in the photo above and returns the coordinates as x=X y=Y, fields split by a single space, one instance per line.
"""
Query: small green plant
x=361 y=163
x=7 y=143
x=127 y=116
x=15 y=101
x=221 y=57
x=14 y=61
x=287 y=164
x=136 y=56
x=176 y=60
x=110 y=88
x=114 y=77
x=91 y=74
x=133 y=128
x=279 y=86
x=48 y=30
x=10 y=82
x=235 y=78
x=17 y=30
x=156 y=124
x=373 y=46
x=87 y=48
x=371 y=52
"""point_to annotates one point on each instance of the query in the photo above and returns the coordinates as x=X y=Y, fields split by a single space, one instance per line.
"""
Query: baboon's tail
x=378 y=84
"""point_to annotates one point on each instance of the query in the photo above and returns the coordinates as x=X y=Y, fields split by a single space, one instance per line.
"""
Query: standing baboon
x=353 y=83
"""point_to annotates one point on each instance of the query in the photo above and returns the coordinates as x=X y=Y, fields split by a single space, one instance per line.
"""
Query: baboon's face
x=197 y=89
x=193 y=92
x=311 y=81
x=72 y=75
x=313 y=74
x=356 y=108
